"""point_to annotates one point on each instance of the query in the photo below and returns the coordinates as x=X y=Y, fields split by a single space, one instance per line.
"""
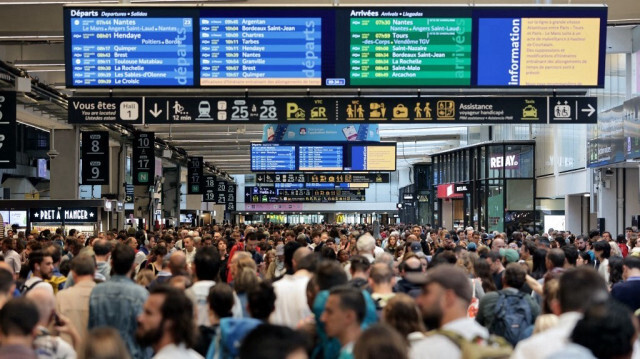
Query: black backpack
x=512 y=317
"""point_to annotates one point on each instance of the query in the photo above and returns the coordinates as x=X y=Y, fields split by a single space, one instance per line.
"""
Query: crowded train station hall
x=245 y=179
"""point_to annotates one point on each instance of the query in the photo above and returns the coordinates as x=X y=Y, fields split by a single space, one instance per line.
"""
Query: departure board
x=420 y=51
x=260 y=51
x=120 y=48
x=272 y=157
x=320 y=158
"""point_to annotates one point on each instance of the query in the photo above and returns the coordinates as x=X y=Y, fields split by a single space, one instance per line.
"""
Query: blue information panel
x=372 y=158
x=124 y=48
x=321 y=158
x=254 y=51
x=272 y=157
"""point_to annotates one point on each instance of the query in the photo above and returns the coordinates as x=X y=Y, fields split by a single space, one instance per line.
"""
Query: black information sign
x=231 y=197
x=83 y=110
x=454 y=109
x=128 y=193
x=272 y=195
x=194 y=175
x=480 y=110
x=95 y=158
x=66 y=215
x=8 y=130
x=322 y=178
x=209 y=192
x=221 y=192
x=144 y=158
x=573 y=110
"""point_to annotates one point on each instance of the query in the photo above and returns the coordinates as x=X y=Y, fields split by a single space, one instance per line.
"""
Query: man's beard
x=46 y=276
x=149 y=337
x=432 y=320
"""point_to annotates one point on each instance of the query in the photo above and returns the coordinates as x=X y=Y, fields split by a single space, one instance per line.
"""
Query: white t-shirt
x=47 y=346
x=291 y=300
x=42 y=283
x=554 y=339
x=198 y=294
x=173 y=351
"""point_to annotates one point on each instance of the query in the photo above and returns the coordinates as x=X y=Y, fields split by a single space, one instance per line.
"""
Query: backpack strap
x=25 y=289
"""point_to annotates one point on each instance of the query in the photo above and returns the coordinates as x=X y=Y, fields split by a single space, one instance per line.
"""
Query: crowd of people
x=319 y=291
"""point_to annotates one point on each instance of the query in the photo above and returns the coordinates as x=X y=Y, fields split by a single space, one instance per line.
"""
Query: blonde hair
x=104 y=343
x=544 y=322
x=246 y=274
x=145 y=277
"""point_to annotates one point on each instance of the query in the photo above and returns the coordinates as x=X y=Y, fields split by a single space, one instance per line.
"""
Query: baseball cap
x=472 y=247
x=415 y=247
x=511 y=254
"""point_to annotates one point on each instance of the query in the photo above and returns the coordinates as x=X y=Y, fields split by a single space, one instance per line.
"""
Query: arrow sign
x=573 y=110
x=590 y=109
x=155 y=112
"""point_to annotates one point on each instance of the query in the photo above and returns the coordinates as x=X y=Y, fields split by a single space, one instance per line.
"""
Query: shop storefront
x=85 y=216
x=490 y=185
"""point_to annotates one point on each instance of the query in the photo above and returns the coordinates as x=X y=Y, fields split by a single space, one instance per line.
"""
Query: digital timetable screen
x=272 y=157
x=410 y=49
x=335 y=47
x=115 y=48
x=320 y=158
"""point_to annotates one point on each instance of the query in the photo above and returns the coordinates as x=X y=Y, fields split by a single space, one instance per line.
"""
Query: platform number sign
x=209 y=193
x=8 y=130
x=95 y=158
x=231 y=198
x=221 y=192
x=194 y=175
x=144 y=158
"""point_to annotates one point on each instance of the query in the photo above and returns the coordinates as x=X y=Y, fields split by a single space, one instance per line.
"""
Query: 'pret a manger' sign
x=70 y=215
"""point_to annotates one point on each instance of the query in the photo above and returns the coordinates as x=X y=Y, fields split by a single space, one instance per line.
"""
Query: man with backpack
x=444 y=300
x=41 y=267
x=509 y=313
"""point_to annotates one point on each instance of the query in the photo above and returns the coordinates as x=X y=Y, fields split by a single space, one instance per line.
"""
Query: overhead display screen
x=409 y=49
x=260 y=51
x=320 y=158
x=346 y=46
x=272 y=157
x=115 y=48
x=373 y=158
x=518 y=49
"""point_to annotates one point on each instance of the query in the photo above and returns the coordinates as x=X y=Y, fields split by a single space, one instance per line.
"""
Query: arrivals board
x=410 y=49
x=273 y=157
x=320 y=158
x=346 y=46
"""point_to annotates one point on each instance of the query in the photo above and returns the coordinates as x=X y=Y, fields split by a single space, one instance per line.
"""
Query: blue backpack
x=513 y=319
x=226 y=343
